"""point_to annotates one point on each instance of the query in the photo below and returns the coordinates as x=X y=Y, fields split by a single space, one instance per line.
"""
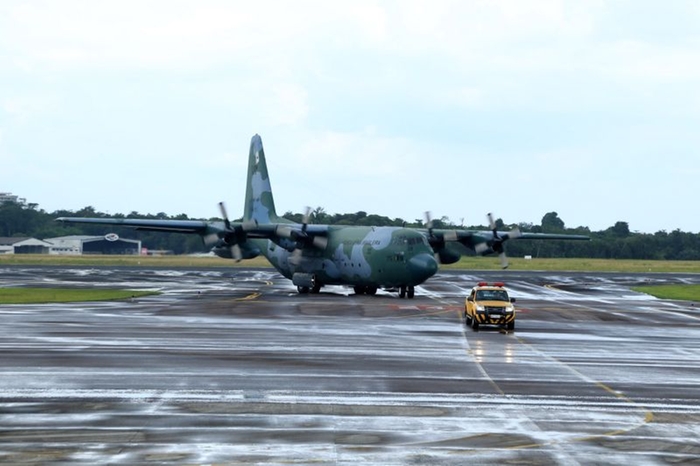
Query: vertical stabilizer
x=259 y=203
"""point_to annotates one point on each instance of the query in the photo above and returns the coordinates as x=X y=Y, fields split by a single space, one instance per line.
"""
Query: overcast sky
x=589 y=109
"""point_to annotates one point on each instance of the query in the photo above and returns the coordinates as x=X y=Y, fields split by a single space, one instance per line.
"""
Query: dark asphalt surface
x=234 y=367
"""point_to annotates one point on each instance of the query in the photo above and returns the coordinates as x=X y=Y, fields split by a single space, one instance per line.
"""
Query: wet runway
x=232 y=366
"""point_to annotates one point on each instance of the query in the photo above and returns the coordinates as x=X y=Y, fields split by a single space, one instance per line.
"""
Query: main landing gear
x=409 y=291
x=365 y=289
x=315 y=289
x=404 y=291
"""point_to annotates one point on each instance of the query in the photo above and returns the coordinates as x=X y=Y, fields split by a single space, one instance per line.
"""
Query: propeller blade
x=211 y=239
x=284 y=231
x=450 y=235
x=305 y=219
x=504 y=260
x=295 y=257
x=224 y=215
x=236 y=252
x=320 y=242
x=492 y=222
x=481 y=248
x=249 y=225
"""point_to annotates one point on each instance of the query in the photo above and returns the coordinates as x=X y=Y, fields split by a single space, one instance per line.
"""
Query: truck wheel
x=510 y=326
x=475 y=324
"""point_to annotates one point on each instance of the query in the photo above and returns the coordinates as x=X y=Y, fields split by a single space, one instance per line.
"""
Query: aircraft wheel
x=402 y=292
x=411 y=292
x=316 y=288
x=371 y=290
x=359 y=289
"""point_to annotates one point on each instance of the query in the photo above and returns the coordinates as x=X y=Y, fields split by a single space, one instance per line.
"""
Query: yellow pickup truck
x=489 y=305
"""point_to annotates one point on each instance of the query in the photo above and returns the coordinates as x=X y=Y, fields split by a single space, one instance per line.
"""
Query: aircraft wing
x=450 y=245
x=552 y=236
x=472 y=238
x=172 y=226
x=228 y=239
x=251 y=229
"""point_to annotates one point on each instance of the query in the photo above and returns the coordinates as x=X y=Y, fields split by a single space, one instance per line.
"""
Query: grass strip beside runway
x=465 y=263
x=22 y=295
x=681 y=292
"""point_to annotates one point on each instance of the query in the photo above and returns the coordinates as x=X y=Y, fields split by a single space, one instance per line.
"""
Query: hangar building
x=108 y=244
x=24 y=246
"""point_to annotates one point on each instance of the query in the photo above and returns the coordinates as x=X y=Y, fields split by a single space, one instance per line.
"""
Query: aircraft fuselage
x=359 y=256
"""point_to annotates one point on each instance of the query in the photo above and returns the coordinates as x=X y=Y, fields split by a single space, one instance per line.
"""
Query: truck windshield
x=492 y=295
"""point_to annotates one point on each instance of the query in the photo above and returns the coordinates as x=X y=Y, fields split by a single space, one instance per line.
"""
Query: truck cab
x=489 y=304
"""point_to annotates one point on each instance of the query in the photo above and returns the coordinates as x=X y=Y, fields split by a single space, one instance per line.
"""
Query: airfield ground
x=232 y=366
x=465 y=263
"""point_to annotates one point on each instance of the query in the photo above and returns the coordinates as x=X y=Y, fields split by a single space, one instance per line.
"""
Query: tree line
x=615 y=242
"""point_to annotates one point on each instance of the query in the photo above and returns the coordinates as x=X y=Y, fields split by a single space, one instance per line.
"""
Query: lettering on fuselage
x=372 y=242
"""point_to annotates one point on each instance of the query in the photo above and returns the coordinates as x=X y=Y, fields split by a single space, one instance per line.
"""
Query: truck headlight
x=479 y=308
x=510 y=309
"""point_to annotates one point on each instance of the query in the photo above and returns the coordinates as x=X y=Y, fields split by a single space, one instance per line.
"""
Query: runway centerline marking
x=648 y=415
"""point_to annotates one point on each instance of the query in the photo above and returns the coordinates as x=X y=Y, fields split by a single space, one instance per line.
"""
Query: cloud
x=173 y=33
x=359 y=154
x=355 y=95
x=286 y=104
x=22 y=107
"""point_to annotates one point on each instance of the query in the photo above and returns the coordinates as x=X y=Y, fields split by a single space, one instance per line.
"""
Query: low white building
x=81 y=244
x=9 y=197
x=13 y=245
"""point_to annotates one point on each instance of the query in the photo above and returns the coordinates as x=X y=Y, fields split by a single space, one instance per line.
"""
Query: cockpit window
x=409 y=240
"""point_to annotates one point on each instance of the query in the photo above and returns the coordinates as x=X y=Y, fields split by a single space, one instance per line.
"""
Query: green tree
x=552 y=223
x=620 y=229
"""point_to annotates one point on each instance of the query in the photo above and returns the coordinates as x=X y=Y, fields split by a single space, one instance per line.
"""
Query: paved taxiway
x=233 y=366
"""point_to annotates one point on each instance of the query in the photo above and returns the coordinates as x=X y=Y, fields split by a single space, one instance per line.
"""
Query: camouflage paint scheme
x=365 y=257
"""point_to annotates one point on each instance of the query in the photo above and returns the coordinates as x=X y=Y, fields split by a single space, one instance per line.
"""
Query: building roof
x=15 y=241
x=10 y=240
x=87 y=239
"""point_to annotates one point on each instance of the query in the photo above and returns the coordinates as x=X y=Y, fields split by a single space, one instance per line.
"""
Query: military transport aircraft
x=364 y=257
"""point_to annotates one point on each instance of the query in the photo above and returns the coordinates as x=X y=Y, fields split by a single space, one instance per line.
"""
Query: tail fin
x=259 y=203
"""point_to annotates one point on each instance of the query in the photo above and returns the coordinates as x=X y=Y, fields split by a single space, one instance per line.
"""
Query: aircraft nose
x=422 y=266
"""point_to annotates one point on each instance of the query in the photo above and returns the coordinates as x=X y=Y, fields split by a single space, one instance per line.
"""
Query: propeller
x=442 y=255
x=229 y=237
x=301 y=238
x=432 y=239
x=295 y=258
x=498 y=240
